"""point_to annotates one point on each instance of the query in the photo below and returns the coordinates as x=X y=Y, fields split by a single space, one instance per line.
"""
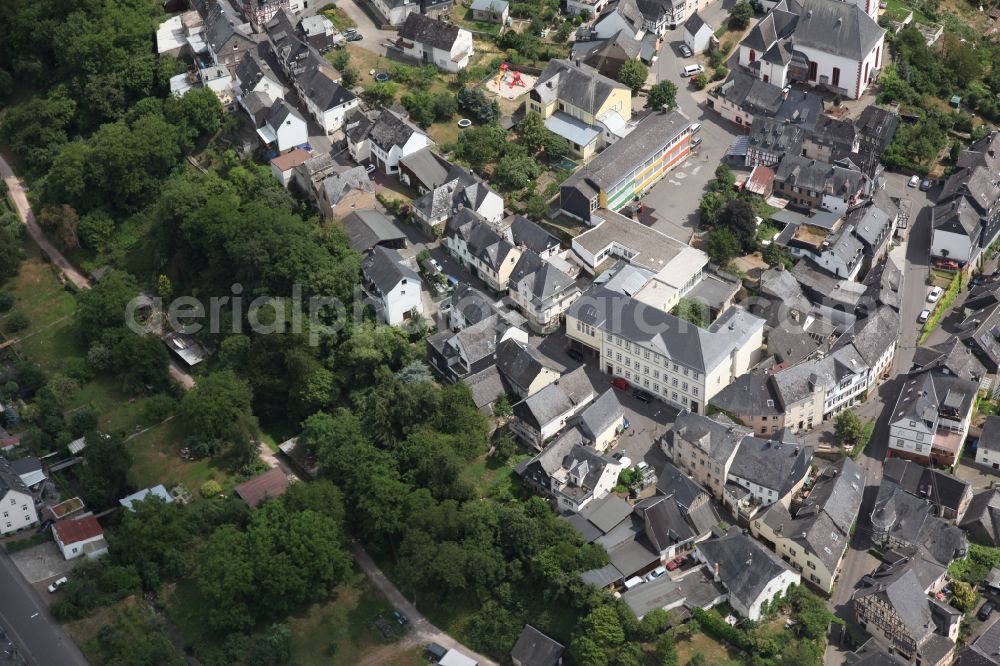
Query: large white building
x=829 y=43
x=676 y=361
x=16 y=502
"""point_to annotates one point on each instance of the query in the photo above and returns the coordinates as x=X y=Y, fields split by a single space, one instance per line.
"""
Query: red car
x=620 y=383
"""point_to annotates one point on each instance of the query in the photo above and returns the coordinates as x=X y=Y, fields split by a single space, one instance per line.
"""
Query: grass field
x=156 y=459
x=337 y=632
x=340 y=20
x=715 y=653
x=49 y=339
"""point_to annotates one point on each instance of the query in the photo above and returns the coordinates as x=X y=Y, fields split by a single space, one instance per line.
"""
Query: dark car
x=685 y=50
x=925 y=185
x=402 y=619
x=985 y=611
x=355 y=37
x=642 y=396
x=575 y=354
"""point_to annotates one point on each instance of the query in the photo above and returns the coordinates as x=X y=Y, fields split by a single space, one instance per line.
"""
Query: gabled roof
x=368 y=228
x=425 y=30
x=76 y=530
x=540 y=409
x=752 y=393
x=695 y=23
x=819 y=176
x=542 y=280
x=533 y=648
x=10 y=479
x=519 y=363
x=431 y=168
x=528 y=234
x=771 y=464
x=600 y=415
x=272 y=483
x=390 y=130
x=581 y=86
x=942 y=489
x=745 y=566
x=838 y=28
x=982 y=518
x=672 y=482
x=319 y=84
x=385 y=268
x=715 y=435
x=949 y=357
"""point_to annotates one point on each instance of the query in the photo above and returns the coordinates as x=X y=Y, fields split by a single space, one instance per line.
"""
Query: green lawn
x=340 y=20
x=715 y=653
x=490 y=478
x=897 y=10
x=49 y=339
x=156 y=459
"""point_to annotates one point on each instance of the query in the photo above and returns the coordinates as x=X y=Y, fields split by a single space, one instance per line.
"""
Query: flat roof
x=654 y=249
x=571 y=129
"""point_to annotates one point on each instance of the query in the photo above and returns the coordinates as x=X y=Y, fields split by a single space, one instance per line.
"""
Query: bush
x=6 y=300
x=210 y=489
x=700 y=81
x=16 y=322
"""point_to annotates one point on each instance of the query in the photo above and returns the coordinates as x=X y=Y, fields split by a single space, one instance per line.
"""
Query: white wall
x=17 y=511
x=777 y=586
x=403 y=298
x=293 y=132
x=700 y=41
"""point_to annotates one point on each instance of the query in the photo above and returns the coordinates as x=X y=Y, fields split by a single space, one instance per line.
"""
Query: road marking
x=694 y=171
x=35 y=615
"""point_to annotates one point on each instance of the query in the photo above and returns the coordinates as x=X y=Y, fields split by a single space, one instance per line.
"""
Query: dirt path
x=422 y=629
x=16 y=193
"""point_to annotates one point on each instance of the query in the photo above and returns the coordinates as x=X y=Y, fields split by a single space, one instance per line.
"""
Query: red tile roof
x=77 y=529
x=272 y=483
x=290 y=159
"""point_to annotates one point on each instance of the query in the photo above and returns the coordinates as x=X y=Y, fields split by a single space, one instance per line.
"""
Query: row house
x=812 y=534
x=480 y=249
x=966 y=219
x=544 y=414
x=541 y=291
x=462 y=190
x=384 y=140
x=742 y=99
x=808 y=183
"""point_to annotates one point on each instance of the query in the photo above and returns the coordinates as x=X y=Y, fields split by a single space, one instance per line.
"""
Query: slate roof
x=783 y=286
x=982 y=518
x=601 y=414
x=771 y=464
x=716 y=435
x=923 y=396
x=939 y=487
x=10 y=479
x=819 y=176
x=390 y=130
x=746 y=567
x=519 y=363
x=873 y=335
x=975 y=178
x=950 y=356
x=543 y=280
x=579 y=85
x=763 y=99
x=607 y=513
x=368 y=228
x=533 y=648
x=431 y=32
x=838 y=28
x=901 y=589
x=473 y=304
x=695 y=590
x=385 y=268
x=990 y=437
x=555 y=399
x=251 y=69
x=672 y=482
x=753 y=393
x=337 y=186
x=871 y=224
x=319 y=85
x=530 y=235
x=694 y=23
x=486 y=387
x=696 y=347
x=774 y=136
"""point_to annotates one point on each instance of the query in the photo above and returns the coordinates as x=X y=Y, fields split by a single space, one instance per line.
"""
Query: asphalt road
x=857 y=561
x=28 y=621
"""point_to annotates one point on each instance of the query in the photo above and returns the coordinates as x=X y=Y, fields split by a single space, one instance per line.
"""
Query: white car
x=655 y=573
x=935 y=294
x=914 y=181
x=58 y=583
x=436 y=264
x=924 y=316
x=695 y=128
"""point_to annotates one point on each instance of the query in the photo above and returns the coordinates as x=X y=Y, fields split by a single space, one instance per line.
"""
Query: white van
x=691 y=70
x=632 y=582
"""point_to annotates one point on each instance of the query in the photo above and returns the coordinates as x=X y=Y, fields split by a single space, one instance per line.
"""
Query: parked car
x=623 y=459
x=642 y=396
x=58 y=583
x=985 y=611
x=402 y=619
x=355 y=37
x=575 y=354
x=914 y=181
x=924 y=316
x=925 y=185
x=685 y=50
x=695 y=128
x=655 y=573
x=692 y=70
x=436 y=264
x=695 y=142
x=947 y=264
x=643 y=467
x=620 y=383
x=369 y=168
x=934 y=295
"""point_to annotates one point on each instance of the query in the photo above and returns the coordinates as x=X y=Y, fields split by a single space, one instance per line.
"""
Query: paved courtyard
x=41 y=562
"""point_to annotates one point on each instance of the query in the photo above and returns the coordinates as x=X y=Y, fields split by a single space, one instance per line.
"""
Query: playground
x=510 y=83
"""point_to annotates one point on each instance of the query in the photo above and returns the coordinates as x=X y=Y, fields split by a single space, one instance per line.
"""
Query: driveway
x=373 y=37
x=42 y=562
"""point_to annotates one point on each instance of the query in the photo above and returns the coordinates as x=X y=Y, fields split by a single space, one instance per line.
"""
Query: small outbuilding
x=272 y=483
x=533 y=648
